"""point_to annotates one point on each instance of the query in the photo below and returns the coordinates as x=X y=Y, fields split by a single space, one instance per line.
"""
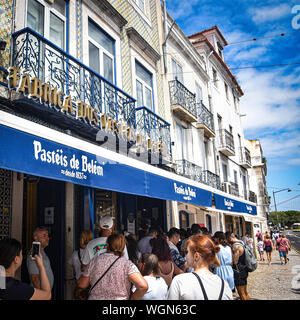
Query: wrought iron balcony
x=183 y=102
x=211 y=179
x=155 y=128
x=226 y=143
x=190 y=170
x=252 y=196
x=245 y=158
x=52 y=65
x=234 y=190
x=205 y=120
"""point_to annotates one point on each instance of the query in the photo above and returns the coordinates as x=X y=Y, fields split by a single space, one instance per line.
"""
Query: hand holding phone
x=36 y=246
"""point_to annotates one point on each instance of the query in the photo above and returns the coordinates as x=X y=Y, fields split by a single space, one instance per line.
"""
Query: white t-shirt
x=186 y=287
x=75 y=262
x=157 y=289
x=97 y=247
x=144 y=245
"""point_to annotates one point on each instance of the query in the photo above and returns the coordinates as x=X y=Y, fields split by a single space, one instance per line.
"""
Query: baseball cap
x=106 y=222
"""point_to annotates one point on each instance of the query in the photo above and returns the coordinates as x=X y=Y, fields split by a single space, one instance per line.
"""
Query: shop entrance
x=44 y=205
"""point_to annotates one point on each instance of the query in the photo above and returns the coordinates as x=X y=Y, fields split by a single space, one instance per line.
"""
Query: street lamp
x=288 y=190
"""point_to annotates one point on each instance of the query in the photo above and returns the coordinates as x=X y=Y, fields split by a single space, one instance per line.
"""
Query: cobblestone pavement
x=274 y=282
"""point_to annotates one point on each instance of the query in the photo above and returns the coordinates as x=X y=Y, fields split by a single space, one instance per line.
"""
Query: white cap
x=106 y=222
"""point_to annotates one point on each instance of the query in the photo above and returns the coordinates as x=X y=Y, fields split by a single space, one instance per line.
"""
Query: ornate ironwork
x=226 y=140
x=205 y=116
x=252 y=196
x=5 y=203
x=54 y=66
x=245 y=156
x=190 y=170
x=154 y=127
x=234 y=189
x=211 y=179
x=180 y=95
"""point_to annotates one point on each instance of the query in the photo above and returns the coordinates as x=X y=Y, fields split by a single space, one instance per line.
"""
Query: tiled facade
x=6 y=26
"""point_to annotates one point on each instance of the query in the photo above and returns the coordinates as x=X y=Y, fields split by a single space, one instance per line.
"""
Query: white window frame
x=102 y=51
x=144 y=13
x=145 y=85
x=48 y=8
x=175 y=72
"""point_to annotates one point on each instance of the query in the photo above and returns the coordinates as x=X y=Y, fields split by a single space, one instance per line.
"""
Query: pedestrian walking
x=200 y=284
x=282 y=246
x=259 y=235
x=289 y=249
x=11 y=259
x=157 y=286
x=224 y=271
x=40 y=234
x=166 y=267
x=179 y=260
x=260 y=249
x=239 y=266
x=111 y=276
x=268 y=247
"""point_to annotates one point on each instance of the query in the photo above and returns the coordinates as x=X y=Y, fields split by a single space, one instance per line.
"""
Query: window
x=177 y=71
x=226 y=91
x=143 y=87
x=181 y=142
x=140 y=4
x=101 y=52
x=230 y=129
x=215 y=77
x=199 y=96
x=48 y=20
x=225 y=172
x=220 y=125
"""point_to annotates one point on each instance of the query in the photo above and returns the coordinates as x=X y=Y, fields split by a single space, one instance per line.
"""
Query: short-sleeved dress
x=225 y=271
x=115 y=285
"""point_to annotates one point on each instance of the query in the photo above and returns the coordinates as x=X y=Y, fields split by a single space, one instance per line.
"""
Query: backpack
x=250 y=259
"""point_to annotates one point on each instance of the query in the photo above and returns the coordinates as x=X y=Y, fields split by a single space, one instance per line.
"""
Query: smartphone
x=35 y=248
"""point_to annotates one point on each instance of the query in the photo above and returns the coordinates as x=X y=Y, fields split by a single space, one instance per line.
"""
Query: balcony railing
x=226 y=142
x=52 y=65
x=211 y=179
x=234 y=189
x=252 y=196
x=245 y=157
x=154 y=127
x=190 y=170
x=181 y=96
x=205 y=119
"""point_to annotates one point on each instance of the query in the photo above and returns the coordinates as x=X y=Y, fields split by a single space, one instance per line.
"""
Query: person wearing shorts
x=268 y=246
x=282 y=246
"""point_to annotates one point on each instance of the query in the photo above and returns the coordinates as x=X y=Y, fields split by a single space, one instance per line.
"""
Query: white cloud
x=270 y=13
x=295 y=161
x=269 y=101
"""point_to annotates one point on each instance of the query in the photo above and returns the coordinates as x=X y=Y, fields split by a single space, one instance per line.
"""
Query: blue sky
x=271 y=99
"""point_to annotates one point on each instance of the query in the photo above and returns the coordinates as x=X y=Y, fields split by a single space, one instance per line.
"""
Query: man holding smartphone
x=41 y=235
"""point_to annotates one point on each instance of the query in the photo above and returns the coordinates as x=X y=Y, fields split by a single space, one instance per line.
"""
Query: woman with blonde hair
x=111 y=276
x=200 y=284
x=75 y=261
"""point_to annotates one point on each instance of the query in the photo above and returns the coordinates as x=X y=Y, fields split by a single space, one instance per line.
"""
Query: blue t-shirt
x=16 y=290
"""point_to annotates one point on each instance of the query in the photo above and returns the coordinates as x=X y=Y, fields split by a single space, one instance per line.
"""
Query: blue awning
x=232 y=205
x=24 y=152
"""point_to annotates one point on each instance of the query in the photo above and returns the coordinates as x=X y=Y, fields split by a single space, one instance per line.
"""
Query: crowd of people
x=179 y=265
x=269 y=242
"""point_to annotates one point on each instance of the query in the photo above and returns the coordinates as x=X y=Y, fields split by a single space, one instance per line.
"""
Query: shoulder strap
x=201 y=285
x=222 y=290
x=103 y=275
x=79 y=257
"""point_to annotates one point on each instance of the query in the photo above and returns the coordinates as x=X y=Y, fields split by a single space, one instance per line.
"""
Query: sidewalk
x=274 y=282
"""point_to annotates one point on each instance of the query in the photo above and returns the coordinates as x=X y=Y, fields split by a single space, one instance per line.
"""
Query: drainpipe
x=217 y=169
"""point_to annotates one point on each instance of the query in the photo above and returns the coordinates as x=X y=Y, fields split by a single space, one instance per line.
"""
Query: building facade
x=107 y=107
